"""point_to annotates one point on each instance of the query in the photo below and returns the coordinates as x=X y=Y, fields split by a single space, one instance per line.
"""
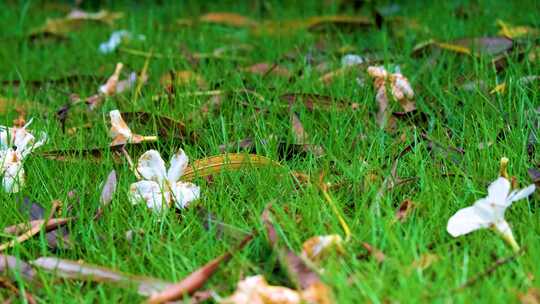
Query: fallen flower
x=121 y=133
x=159 y=185
x=15 y=145
x=351 y=60
x=317 y=247
x=400 y=87
x=116 y=39
x=488 y=212
x=255 y=290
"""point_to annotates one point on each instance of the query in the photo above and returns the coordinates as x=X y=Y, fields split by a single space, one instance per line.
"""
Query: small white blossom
x=121 y=133
x=15 y=145
x=351 y=60
x=116 y=39
x=159 y=187
x=489 y=212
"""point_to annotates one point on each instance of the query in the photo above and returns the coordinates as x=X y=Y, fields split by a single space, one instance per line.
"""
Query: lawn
x=302 y=110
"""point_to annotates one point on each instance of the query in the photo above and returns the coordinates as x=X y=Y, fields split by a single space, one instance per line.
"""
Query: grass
x=358 y=154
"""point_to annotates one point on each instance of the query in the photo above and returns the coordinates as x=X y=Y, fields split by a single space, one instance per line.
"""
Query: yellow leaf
x=232 y=161
x=454 y=48
x=230 y=19
x=500 y=88
x=512 y=31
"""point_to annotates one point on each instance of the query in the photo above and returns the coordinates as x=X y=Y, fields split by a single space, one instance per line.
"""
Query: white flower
x=160 y=188
x=116 y=38
x=15 y=145
x=351 y=60
x=121 y=133
x=109 y=88
x=488 y=212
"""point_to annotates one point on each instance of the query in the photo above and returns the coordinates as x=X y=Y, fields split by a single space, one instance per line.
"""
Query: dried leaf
x=534 y=174
x=469 y=46
x=62 y=26
x=232 y=161
x=196 y=279
x=167 y=127
x=374 y=252
x=264 y=68
x=424 y=262
x=511 y=31
x=77 y=270
x=404 y=210
x=320 y=22
x=316 y=101
x=300 y=135
x=229 y=19
x=532 y=296
x=184 y=78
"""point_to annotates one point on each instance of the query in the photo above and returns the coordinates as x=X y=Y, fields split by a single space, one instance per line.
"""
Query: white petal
x=12 y=171
x=521 y=194
x=498 y=192
x=152 y=167
x=184 y=193
x=119 y=132
x=465 y=221
x=149 y=192
x=179 y=162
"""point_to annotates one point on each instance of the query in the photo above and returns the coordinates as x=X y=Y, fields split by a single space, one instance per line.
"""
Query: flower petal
x=119 y=132
x=149 y=192
x=184 y=193
x=152 y=167
x=12 y=170
x=498 y=192
x=465 y=221
x=521 y=194
x=179 y=162
x=503 y=227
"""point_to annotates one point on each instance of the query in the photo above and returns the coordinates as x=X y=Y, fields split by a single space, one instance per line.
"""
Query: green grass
x=356 y=148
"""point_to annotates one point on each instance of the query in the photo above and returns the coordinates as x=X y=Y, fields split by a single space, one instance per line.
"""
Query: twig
x=33 y=231
x=500 y=262
x=130 y=162
x=6 y=283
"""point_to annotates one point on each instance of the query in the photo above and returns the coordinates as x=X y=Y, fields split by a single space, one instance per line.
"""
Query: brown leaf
x=534 y=174
x=167 y=127
x=374 y=252
x=231 y=161
x=300 y=135
x=184 y=78
x=404 y=210
x=424 y=262
x=196 y=279
x=264 y=68
x=77 y=270
x=316 y=101
x=320 y=22
x=229 y=19
x=76 y=18
x=532 y=296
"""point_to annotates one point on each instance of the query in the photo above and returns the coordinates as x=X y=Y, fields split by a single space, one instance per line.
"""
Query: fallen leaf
x=167 y=126
x=534 y=174
x=184 y=78
x=81 y=271
x=232 y=161
x=264 y=68
x=532 y=296
x=300 y=135
x=76 y=18
x=298 y=271
x=511 y=31
x=470 y=46
x=229 y=19
x=316 y=101
x=196 y=279
x=404 y=210
x=424 y=262
x=378 y=255
x=320 y=22
x=12 y=266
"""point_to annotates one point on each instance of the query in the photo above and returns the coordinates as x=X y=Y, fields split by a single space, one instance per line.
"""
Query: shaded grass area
x=358 y=154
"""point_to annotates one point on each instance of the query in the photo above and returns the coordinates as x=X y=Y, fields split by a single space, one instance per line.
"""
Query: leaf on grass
x=313 y=289
x=62 y=26
x=424 y=262
x=378 y=255
x=342 y=22
x=167 y=127
x=77 y=270
x=264 y=68
x=196 y=279
x=511 y=31
x=232 y=161
x=534 y=174
x=300 y=134
x=405 y=209
x=318 y=247
x=229 y=19
x=469 y=46
x=532 y=296
x=173 y=79
x=316 y=101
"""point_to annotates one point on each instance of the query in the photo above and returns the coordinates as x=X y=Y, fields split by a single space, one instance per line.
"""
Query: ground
x=456 y=137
